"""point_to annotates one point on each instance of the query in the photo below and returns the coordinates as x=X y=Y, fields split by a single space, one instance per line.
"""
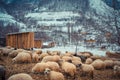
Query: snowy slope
x=100 y=7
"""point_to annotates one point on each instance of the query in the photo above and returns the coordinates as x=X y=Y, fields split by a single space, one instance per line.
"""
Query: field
x=11 y=69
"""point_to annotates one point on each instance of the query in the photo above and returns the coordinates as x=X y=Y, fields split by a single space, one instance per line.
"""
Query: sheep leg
x=91 y=74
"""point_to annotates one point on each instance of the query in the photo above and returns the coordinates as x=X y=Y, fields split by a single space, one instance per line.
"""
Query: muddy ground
x=11 y=69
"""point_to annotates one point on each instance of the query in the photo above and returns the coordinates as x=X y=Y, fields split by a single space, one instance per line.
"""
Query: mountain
x=92 y=16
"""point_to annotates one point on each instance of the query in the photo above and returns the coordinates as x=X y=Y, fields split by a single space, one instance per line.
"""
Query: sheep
x=68 y=68
x=88 y=61
x=76 y=58
x=43 y=55
x=14 y=53
x=87 y=69
x=98 y=64
x=53 y=66
x=38 y=52
x=39 y=67
x=22 y=57
x=77 y=63
x=94 y=57
x=116 y=70
x=20 y=76
x=6 y=51
x=8 y=47
x=2 y=72
x=68 y=53
x=54 y=58
x=53 y=75
x=35 y=57
x=109 y=63
x=67 y=58
x=117 y=63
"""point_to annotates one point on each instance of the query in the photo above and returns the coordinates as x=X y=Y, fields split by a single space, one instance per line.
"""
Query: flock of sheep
x=56 y=65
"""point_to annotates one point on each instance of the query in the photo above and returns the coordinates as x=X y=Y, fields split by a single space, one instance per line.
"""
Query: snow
x=52 y=15
x=9 y=20
x=101 y=7
x=72 y=48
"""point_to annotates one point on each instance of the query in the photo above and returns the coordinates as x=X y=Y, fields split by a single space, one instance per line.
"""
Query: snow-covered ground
x=72 y=48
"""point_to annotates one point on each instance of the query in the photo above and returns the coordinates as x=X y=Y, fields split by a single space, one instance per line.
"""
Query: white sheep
x=22 y=57
x=54 y=58
x=53 y=75
x=68 y=68
x=109 y=63
x=98 y=64
x=53 y=66
x=39 y=67
x=88 y=61
x=87 y=69
x=20 y=76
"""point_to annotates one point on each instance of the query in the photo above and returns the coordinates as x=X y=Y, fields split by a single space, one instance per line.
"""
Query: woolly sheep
x=54 y=58
x=43 y=55
x=116 y=70
x=88 y=61
x=8 y=47
x=38 y=52
x=22 y=57
x=67 y=58
x=77 y=63
x=94 y=57
x=68 y=53
x=53 y=75
x=2 y=72
x=39 y=67
x=117 y=63
x=53 y=66
x=109 y=63
x=35 y=57
x=76 y=58
x=98 y=64
x=14 y=53
x=6 y=51
x=68 y=68
x=87 y=69
x=20 y=76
